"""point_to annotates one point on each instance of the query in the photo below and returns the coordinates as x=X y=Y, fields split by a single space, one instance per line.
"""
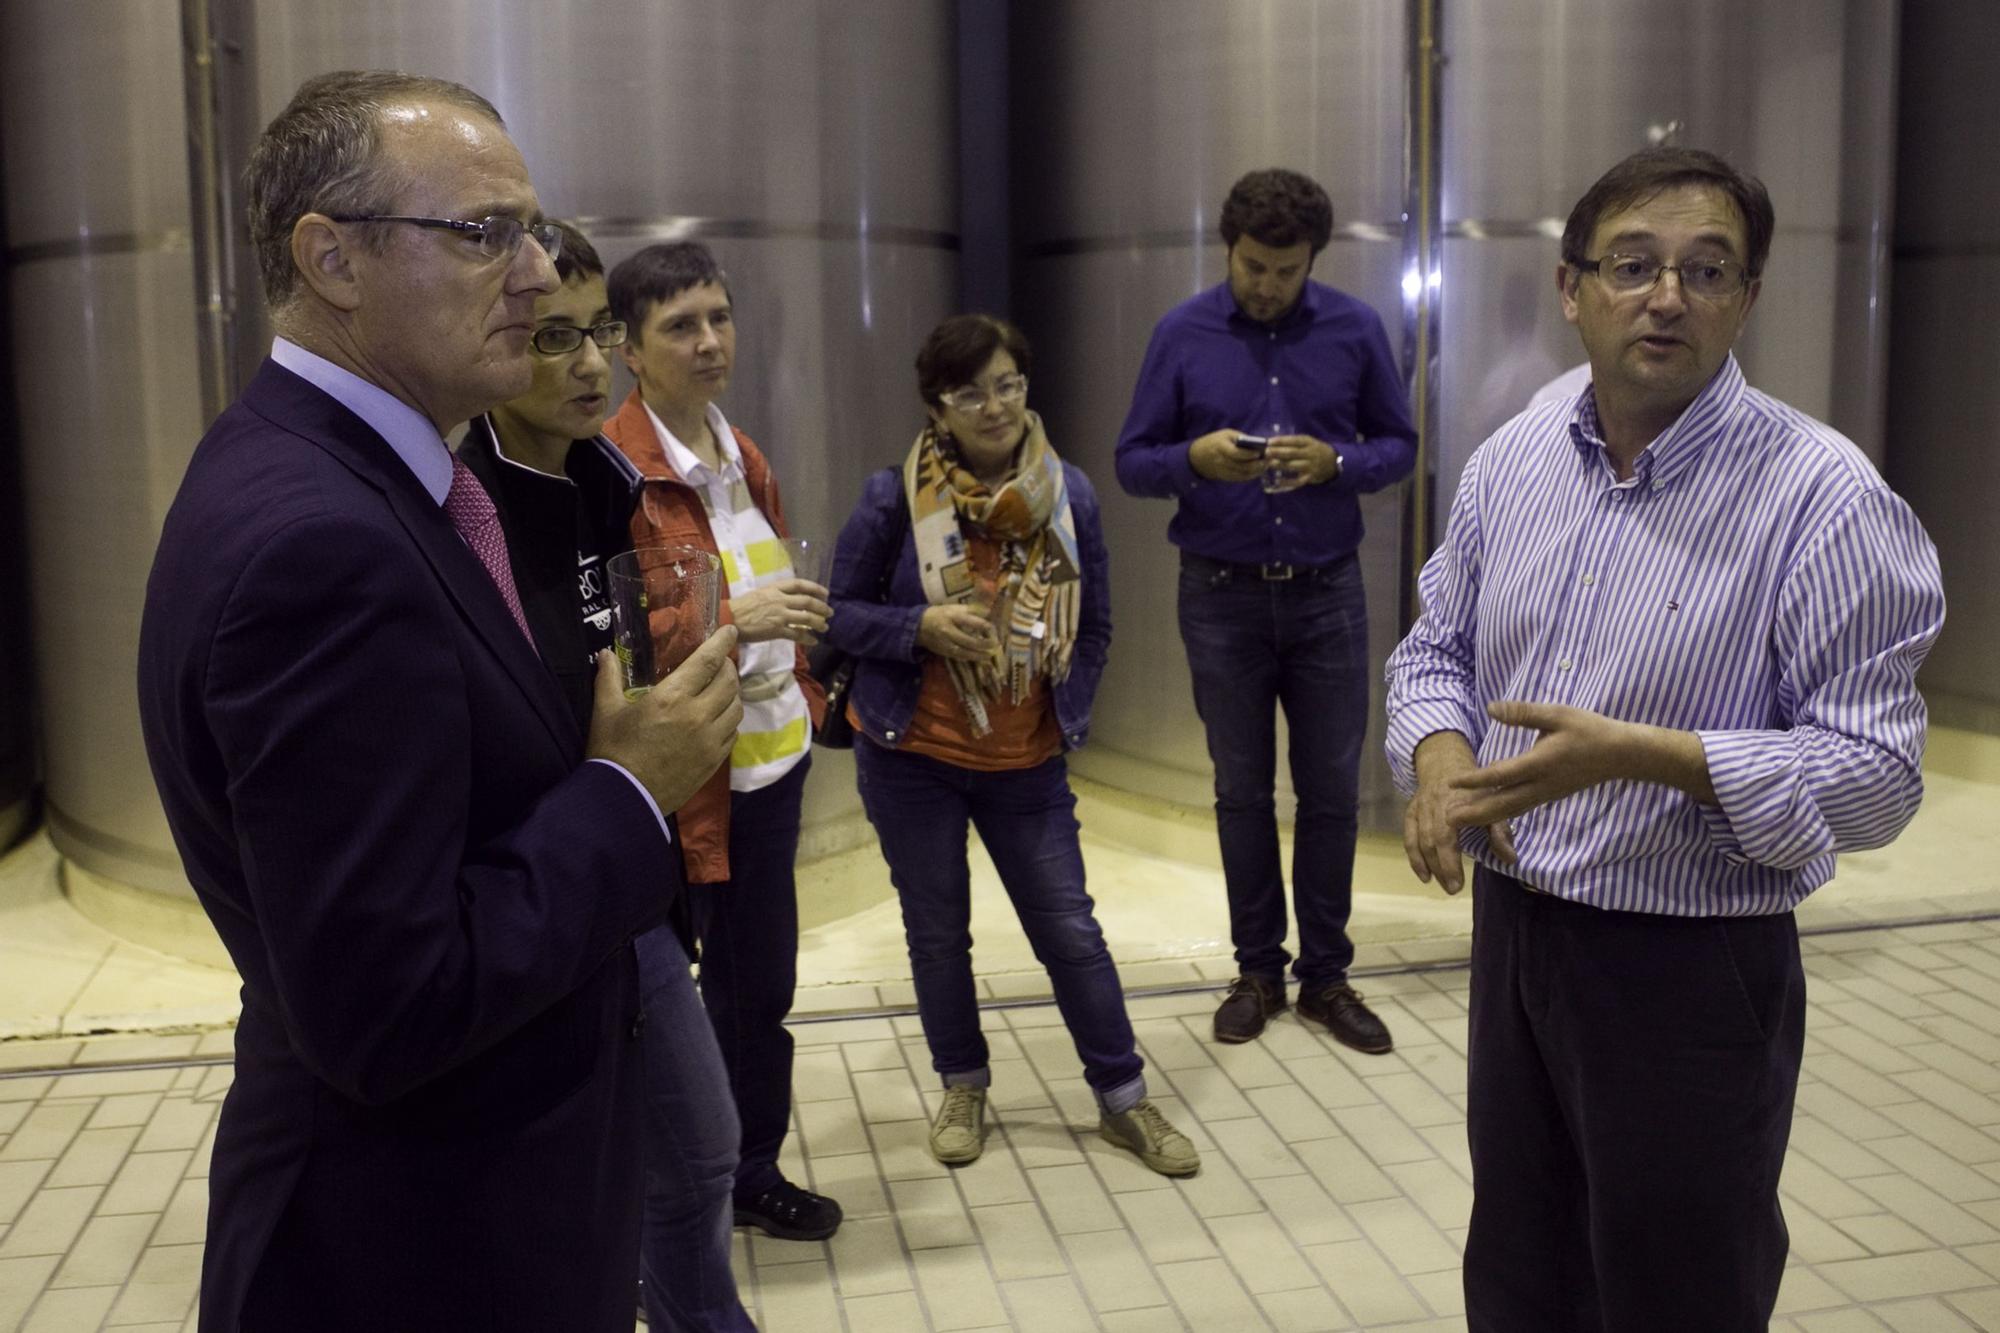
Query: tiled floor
x=1333 y=1193
x=1153 y=870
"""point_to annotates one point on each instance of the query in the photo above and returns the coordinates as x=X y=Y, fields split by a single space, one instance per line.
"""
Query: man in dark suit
x=428 y=877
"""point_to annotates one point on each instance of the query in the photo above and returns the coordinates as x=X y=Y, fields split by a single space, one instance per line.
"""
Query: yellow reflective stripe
x=763 y=747
x=730 y=573
x=767 y=557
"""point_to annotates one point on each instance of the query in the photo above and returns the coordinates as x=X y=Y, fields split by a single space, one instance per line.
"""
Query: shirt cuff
x=1413 y=721
x=1185 y=477
x=1754 y=774
x=644 y=795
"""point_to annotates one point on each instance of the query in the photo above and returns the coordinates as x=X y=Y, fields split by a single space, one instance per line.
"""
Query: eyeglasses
x=1711 y=279
x=1007 y=389
x=498 y=237
x=557 y=339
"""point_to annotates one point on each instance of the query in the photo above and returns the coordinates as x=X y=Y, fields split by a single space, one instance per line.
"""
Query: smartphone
x=1252 y=443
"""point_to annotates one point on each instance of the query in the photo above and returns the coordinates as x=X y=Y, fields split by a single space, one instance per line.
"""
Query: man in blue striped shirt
x=1665 y=671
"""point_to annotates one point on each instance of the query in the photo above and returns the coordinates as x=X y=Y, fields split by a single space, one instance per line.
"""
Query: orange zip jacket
x=670 y=511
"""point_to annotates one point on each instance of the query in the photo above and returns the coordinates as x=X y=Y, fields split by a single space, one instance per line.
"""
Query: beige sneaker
x=1147 y=1133
x=958 y=1135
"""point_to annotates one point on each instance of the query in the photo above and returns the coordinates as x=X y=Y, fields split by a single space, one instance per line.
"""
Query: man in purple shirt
x=1665 y=671
x=1266 y=404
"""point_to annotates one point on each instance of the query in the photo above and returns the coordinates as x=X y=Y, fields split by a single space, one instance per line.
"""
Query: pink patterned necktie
x=471 y=511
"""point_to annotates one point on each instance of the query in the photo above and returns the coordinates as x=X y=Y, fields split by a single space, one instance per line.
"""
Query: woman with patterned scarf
x=970 y=588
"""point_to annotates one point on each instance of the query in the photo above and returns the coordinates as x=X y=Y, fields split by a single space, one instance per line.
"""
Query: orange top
x=1024 y=734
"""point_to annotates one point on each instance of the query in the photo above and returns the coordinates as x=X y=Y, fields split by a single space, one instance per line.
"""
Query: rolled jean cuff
x=1118 y=1100
x=981 y=1077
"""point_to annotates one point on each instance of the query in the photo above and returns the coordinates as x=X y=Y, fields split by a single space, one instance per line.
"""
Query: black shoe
x=790 y=1213
x=1250 y=1001
x=1351 y=1022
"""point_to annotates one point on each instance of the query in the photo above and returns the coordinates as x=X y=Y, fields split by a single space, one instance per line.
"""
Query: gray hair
x=320 y=156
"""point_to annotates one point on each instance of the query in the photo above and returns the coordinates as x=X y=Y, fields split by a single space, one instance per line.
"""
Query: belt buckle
x=1275 y=572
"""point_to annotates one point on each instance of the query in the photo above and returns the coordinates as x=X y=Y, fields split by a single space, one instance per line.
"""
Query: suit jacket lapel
x=292 y=403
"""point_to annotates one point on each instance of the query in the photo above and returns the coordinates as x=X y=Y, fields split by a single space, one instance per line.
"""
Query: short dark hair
x=1652 y=170
x=1278 y=208
x=656 y=274
x=576 y=257
x=321 y=155
x=959 y=349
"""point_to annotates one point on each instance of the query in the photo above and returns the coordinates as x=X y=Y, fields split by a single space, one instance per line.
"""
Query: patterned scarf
x=1040 y=575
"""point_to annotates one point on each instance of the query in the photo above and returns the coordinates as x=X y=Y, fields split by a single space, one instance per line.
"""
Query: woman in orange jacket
x=706 y=484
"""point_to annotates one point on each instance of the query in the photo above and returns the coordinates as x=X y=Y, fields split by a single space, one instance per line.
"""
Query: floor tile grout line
x=1036 y=1002
x=875 y=1155
x=1307 y=1172
x=1041 y=1205
x=129 y=1067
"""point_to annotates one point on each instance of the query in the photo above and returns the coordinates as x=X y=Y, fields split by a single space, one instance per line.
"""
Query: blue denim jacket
x=878 y=625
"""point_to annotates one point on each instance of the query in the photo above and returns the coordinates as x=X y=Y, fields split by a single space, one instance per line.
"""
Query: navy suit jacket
x=379 y=796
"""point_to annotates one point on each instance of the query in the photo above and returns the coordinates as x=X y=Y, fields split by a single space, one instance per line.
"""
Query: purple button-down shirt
x=1324 y=370
x=1754 y=581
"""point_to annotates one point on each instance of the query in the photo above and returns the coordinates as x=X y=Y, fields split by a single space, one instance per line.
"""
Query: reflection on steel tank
x=1131 y=122
x=1131 y=118
x=1541 y=98
x=107 y=382
x=813 y=152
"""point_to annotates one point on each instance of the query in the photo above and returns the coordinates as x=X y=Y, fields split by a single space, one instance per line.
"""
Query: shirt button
x=889 y=736
x=1589 y=579
x=1281 y=522
x=1659 y=485
x=1563 y=665
x=1274 y=379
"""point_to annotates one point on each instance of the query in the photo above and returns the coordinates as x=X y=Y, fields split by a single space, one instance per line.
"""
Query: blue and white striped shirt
x=1755 y=582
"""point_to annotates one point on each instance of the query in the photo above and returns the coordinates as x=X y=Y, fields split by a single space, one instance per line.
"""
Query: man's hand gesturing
x=1435 y=813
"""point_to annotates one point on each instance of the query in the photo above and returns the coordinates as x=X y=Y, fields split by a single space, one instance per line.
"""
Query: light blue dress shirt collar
x=409 y=432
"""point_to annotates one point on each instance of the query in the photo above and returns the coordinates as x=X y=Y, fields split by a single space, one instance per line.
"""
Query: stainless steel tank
x=1131 y=119
x=101 y=288
x=1944 y=397
x=17 y=750
x=813 y=151
x=1540 y=98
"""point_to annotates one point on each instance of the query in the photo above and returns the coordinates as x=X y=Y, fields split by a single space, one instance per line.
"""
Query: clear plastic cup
x=664 y=603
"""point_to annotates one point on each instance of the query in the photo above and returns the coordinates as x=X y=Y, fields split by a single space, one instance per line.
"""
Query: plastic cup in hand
x=810 y=558
x=1276 y=479
x=664 y=603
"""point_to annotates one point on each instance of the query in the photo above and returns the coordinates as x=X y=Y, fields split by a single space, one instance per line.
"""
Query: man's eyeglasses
x=1007 y=389
x=498 y=237
x=1711 y=279
x=557 y=339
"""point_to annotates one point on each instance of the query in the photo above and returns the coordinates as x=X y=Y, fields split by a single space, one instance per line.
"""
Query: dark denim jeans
x=1254 y=645
x=748 y=926
x=1027 y=820
x=691 y=1134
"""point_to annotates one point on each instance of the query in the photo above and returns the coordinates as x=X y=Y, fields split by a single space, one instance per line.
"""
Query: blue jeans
x=748 y=926
x=1026 y=818
x=691 y=1133
x=1254 y=645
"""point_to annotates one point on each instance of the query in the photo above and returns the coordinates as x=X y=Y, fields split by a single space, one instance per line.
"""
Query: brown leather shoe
x=1250 y=1001
x=1351 y=1022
